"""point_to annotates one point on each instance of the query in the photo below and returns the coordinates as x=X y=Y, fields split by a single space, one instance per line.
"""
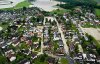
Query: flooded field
x=9 y=3
x=47 y=5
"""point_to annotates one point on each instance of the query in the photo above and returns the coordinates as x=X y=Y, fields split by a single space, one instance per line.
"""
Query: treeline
x=74 y=3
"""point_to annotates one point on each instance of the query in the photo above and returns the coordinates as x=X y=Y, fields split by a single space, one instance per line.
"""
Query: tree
x=43 y=57
x=24 y=8
x=76 y=48
x=3 y=60
x=98 y=50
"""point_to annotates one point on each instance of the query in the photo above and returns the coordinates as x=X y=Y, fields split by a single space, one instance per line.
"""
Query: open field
x=12 y=3
x=64 y=61
x=15 y=4
x=93 y=32
x=22 y=4
x=97 y=11
x=47 y=5
x=60 y=11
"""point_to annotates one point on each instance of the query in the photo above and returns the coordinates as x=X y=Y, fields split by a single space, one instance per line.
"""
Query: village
x=27 y=36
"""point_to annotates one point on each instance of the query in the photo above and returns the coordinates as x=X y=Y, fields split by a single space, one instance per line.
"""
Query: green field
x=97 y=11
x=60 y=11
x=64 y=61
x=19 y=5
x=22 y=4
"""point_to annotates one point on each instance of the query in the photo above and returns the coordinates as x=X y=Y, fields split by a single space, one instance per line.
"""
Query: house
x=3 y=44
x=89 y=58
x=10 y=55
x=23 y=38
x=81 y=32
x=36 y=44
x=9 y=42
x=71 y=47
x=33 y=55
x=91 y=46
x=60 y=51
x=56 y=36
x=61 y=43
x=51 y=60
x=75 y=38
x=29 y=42
x=98 y=59
x=97 y=22
x=27 y=34
x=79 y=57
x=15 y=41
x=26 y=51
x=24 y=61
x=46 y=33
x=67 y=34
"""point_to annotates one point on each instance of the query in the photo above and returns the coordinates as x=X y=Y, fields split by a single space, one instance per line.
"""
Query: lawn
x=55 y=43
x=4 y=25
x=41 y=59
x=88 y=25
x=22 y=4
x=97 y=11
x=64 y=61
x=60 y=11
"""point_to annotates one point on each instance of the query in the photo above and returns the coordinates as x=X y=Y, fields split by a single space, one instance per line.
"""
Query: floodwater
x=47 y=5
x=9 y=3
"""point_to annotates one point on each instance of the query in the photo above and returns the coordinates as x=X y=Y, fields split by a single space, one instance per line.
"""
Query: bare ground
x=93 y=32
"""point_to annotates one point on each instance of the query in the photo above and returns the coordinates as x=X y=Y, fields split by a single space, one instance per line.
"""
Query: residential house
x=24 y=61
x=10 y=54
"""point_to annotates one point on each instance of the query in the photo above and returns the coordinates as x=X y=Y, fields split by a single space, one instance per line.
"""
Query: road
x=71 y=61
x=63 y=38
x=42 y=46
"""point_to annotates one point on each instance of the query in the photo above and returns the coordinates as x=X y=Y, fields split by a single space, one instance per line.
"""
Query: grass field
x=64 y=61
x=60 y=11
x=19 y=5
x=88 y=25
x=97 y=11
x=22 y=4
